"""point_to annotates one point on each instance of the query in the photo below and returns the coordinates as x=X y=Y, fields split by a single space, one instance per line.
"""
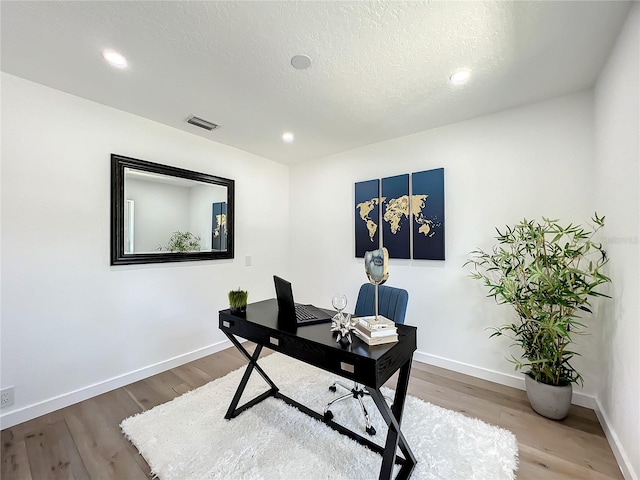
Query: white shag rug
x=189 y=439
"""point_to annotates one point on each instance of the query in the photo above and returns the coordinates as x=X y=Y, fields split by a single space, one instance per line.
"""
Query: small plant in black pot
x=238 y=301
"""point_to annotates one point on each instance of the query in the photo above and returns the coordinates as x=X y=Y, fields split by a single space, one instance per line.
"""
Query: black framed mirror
x=167 y=214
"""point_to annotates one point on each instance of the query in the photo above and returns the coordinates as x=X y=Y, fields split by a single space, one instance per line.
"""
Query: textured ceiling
x=380 y=69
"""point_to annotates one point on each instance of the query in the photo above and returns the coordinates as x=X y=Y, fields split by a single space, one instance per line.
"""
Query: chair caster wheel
x=371 y=431
x=332 y=388
x=328 y=415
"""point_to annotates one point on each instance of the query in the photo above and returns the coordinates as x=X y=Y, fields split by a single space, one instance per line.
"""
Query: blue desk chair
x=392 y=303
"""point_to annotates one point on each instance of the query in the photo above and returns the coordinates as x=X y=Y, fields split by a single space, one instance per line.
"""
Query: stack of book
x=374 y=332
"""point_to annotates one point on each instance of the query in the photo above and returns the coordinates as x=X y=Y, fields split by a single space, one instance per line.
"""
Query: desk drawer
x=240 y=328
x=273 y=339
x=354 y=368
x=339 y=362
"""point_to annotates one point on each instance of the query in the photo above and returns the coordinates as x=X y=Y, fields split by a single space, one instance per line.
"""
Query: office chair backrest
x=392 y=302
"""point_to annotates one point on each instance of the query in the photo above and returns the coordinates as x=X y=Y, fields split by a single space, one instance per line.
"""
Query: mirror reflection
x=166 y=214
x=171 y=214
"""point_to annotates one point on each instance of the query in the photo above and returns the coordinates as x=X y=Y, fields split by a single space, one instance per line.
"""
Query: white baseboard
x=614 y=442
x=515 y=381
x=29 y=412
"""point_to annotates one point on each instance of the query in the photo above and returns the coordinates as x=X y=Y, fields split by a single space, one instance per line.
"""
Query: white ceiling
x=379 y=69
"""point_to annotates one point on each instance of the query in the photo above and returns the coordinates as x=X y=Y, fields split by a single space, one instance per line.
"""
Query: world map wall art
x=404 y=214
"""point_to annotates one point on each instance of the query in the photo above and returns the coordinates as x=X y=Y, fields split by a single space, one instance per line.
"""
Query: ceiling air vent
x=199 y=122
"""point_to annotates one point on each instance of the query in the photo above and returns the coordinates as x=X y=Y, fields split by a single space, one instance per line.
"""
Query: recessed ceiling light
x=287 y=137
x=114 y=58
x=301 y=62
x=460 y=77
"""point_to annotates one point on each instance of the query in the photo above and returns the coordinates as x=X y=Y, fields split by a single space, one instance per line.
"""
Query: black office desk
x=316 y=345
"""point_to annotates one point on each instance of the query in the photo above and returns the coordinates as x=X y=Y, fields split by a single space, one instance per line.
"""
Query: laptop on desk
x=293 y=313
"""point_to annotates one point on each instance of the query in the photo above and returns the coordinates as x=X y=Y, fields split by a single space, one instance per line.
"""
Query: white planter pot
x=550 y=401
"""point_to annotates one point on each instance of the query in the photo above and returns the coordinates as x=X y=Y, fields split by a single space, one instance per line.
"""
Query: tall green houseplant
x=548 y=273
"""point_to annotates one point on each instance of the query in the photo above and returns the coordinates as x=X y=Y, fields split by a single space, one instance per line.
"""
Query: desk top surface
x=265 y=314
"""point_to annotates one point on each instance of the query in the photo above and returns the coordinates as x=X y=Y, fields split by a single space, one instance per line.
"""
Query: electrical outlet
x=6 y=397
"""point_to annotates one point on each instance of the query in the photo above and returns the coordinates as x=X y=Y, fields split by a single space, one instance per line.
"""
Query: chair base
x=356 y=392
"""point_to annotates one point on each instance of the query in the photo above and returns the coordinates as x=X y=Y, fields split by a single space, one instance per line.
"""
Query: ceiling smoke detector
x=199 y=122
x=300 y=62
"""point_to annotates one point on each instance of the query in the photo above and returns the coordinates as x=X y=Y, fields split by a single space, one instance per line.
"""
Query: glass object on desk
x=339 y=302
x=342 y=323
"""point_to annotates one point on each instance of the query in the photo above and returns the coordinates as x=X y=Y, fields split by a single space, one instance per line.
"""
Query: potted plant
x=183 y=242
x=548 y=273
x=238 y=301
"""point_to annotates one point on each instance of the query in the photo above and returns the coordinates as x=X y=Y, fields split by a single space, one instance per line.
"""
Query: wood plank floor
x=84 y=441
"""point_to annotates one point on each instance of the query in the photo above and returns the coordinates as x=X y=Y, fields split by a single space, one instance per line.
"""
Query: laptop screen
x=289 y=313
x=284 y=295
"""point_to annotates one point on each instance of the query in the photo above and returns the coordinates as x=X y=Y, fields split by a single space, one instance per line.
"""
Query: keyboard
x=304 y=314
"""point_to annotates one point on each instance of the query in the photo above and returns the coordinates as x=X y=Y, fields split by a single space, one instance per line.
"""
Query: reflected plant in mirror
x=161 y=213
x=184 y=242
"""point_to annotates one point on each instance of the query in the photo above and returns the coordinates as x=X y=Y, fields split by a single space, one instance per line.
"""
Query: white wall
x=526 y=162
x=159 y=210
x=72 y=326
x=617 y=173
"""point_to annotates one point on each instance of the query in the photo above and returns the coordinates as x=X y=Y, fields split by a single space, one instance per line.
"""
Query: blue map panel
x=395 y=216
x=427 y=202
x=367 y=216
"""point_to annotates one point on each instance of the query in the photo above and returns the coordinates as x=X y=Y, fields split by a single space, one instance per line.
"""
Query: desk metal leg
x=395 y=437
x=392 y=416
x=253 y=359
